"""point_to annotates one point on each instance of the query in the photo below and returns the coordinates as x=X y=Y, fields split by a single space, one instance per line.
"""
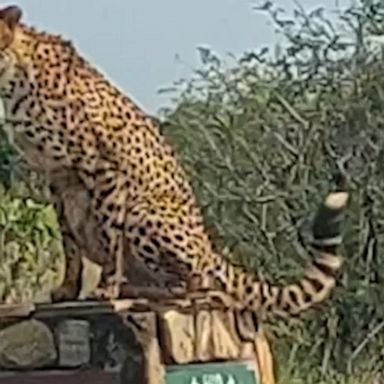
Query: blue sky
x=136 y=42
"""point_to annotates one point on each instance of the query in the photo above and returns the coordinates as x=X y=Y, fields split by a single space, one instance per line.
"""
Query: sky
x=145 y=45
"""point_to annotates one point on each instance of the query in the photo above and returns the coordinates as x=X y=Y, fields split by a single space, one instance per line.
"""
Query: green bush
x=31 y=252
x=30 y=248
x=264 y=139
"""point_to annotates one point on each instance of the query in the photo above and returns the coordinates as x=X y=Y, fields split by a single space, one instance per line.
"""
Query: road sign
x=238 y=372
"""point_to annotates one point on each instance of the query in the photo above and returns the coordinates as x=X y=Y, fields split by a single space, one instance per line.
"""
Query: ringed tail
x=319 y=278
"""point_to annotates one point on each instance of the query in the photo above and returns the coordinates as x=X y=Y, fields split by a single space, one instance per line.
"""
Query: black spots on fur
x=104 y=193
x=166 y=239
x=305 y=295
x=148 y=249
x=155 y=242
x=327 y=270
x=316 y=284
x=142 y=231
x=293 y=296
x=16 y=106
x=179 y=238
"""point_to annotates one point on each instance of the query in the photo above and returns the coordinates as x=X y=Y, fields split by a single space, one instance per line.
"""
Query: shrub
x=264 y=139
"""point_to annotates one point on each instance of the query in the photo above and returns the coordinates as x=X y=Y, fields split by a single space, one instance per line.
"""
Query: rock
x=26 y=345
x=178 y=332
x=73 y=338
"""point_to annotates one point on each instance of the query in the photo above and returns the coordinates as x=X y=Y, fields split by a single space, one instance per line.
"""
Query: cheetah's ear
x=11 y=15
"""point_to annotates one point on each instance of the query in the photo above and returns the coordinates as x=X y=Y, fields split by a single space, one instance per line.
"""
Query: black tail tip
x=326 y=226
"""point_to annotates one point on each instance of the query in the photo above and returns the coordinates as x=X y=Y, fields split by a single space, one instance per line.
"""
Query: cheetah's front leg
x=72 y=283
x=71 y=286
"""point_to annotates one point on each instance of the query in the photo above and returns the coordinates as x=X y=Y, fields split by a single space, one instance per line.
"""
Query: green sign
x=212 y=373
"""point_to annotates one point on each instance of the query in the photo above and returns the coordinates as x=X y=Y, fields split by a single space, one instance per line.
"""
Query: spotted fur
x=129 y=205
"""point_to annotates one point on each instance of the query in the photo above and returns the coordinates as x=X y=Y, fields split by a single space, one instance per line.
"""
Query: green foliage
x=30 y=248
x=8 y=160
x=264 y=139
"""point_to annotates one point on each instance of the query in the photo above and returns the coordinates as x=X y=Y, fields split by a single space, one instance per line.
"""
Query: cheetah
x=135 y=209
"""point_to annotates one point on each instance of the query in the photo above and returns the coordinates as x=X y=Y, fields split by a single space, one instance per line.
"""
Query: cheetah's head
x=9 y=44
